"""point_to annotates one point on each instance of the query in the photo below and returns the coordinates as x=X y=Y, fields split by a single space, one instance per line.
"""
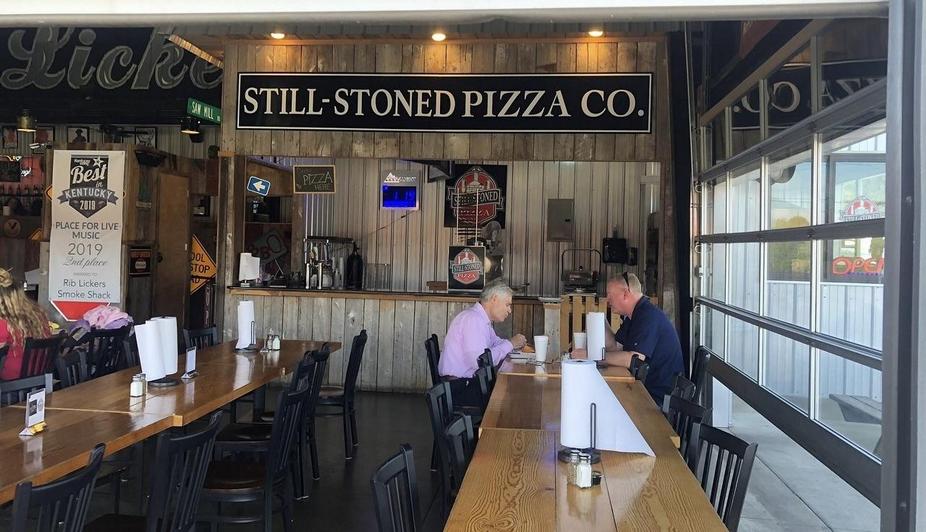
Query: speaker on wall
x=614 y=251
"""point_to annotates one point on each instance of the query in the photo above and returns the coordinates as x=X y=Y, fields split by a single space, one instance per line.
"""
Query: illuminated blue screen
x=400 y=197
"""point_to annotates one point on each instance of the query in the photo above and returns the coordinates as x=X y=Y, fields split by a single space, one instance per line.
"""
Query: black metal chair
x=105 y=350
x=59 y=505
x=71 y=368
x=724 y=462
x=460 y=440
x=342 y=397
x=485 y=360
x=15 y=391
x=242 y=480
x=395 y=493
x=440 y=409
x=684 y=388
x=180 y=464
x=702 y=359
x=432 y=348
x=200 y=338
x=39 y=355
x=682 y=415
x=484 y=377
x=639 y=368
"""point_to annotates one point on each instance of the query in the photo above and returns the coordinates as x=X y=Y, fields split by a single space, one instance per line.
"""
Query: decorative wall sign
x=10 y=137
x=313 y=179
x=399 y=190
x=476 y=195
x=85 y=262
x=202 y=266
x=89 y=75
x=139 y=262
x=79 y=134
x=552 y=103
x=466 y=268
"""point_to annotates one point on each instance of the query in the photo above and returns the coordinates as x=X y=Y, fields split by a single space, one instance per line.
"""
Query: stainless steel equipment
x=579 y=279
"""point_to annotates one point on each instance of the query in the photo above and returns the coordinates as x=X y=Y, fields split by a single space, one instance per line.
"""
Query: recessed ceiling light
x=278 y=35
x=438 y=36
x=595 y=33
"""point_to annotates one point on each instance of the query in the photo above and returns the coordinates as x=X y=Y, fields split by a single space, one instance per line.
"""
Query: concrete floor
x=790 y=490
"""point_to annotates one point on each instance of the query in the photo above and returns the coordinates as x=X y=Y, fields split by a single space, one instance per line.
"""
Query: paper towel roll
x=615 y=431
x=245 y=318
x=595 y=325
x=149 y=350
x=167 y=330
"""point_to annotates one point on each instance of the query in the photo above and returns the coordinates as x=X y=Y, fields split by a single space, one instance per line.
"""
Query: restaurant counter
x=397 y=324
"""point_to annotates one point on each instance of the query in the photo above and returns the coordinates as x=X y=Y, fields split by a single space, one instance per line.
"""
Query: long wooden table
x=515 y=482
x=101 y=411
x=554 y=369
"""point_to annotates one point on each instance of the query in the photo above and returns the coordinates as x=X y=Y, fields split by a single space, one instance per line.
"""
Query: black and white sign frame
x=292 y=103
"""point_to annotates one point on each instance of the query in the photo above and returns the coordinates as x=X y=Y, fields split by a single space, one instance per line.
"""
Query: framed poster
x=314 y=179
x=78 y=134
x=44 y=135
x=476 y=195
x=466 y=269
x=146 y=136
x=10 y=137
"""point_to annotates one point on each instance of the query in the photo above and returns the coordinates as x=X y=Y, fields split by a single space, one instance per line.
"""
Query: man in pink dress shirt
x=470 y=333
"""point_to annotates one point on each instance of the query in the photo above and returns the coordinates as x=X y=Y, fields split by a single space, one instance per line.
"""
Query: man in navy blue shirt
x=645 y=331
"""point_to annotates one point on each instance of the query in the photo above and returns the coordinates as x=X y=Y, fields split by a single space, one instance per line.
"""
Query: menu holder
x=35 y=413
x=190 y=372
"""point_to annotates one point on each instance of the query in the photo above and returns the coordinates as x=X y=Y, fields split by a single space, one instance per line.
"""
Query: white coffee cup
x=578 y=340
x=540 y=347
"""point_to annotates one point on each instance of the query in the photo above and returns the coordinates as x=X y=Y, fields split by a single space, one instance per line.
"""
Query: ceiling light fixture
x=596 y=32
x=277 y=35
x=25 y=122
x=189 y=125
x=438 y=36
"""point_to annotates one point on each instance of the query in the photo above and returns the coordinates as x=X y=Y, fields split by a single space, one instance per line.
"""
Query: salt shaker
x=571 y=466
x=137 y=388
x=276 y=342
x=584 y=471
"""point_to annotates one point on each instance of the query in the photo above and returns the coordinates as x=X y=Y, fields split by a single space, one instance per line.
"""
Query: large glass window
x=743 y=346
x=787 y=369
x=746 y=132
x=744 y=200
x=713 y=331
x=788 y=283
x=854 y=55
x=789 y=94
x=789 y=181
x=744 y=274
x=715 y=263
x=852 y=290
x=854 y=169
x=850 y=400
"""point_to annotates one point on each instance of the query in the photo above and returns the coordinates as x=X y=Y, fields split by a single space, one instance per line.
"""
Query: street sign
x=202 y=267
x=258 y=186
x=203 y=110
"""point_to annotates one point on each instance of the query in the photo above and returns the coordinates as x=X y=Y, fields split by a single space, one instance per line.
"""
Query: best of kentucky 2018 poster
x=85 y=249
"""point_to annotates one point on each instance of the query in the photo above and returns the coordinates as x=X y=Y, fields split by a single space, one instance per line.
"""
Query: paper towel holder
x=563 y=454
x=252 y=347
x=164 y=382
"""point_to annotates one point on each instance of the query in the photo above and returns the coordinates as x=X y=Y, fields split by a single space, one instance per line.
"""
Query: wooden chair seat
x=118 y=523
x=331 y=392
x=235 y=475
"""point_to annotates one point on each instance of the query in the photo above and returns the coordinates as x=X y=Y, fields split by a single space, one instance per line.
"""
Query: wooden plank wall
x=627 y=54
x=414 y=243
x=394 y=358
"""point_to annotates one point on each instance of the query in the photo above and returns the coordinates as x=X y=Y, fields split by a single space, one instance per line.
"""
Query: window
x=746 y=132
x=744 y=199
x=854 y=55
x=789 y=181
x=789 y=93
x=788 y=283
x=743 y=346
x=852 y=290
x=850 y=400
x=787 y=369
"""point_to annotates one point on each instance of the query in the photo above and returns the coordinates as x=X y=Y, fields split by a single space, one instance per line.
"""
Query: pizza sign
x=88 y=180
x=466 y=268
x=476 y=197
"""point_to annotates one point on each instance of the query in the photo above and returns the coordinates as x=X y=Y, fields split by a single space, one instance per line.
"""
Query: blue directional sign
x=258 y=185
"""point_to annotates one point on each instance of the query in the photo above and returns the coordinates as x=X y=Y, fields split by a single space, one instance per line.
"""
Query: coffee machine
x=324 y=262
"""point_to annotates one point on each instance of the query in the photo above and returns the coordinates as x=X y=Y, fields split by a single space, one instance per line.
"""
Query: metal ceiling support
x=903 y=474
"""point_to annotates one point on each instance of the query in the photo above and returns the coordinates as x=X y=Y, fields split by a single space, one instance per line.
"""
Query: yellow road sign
x=202 y=266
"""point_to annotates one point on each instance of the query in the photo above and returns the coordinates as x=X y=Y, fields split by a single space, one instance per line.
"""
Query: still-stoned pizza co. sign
x=601 y=103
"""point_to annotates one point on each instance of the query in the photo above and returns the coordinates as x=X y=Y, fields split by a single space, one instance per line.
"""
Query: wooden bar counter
x=515 y=482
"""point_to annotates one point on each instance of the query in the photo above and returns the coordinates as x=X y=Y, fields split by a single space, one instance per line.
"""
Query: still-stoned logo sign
x=475 y=198
x=466 y=267
x=88 y=192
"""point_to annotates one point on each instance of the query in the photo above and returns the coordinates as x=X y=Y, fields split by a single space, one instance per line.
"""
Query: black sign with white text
x=600 y=103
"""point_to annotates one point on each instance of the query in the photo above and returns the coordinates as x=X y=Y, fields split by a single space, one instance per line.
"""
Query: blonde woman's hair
x=23 y=316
